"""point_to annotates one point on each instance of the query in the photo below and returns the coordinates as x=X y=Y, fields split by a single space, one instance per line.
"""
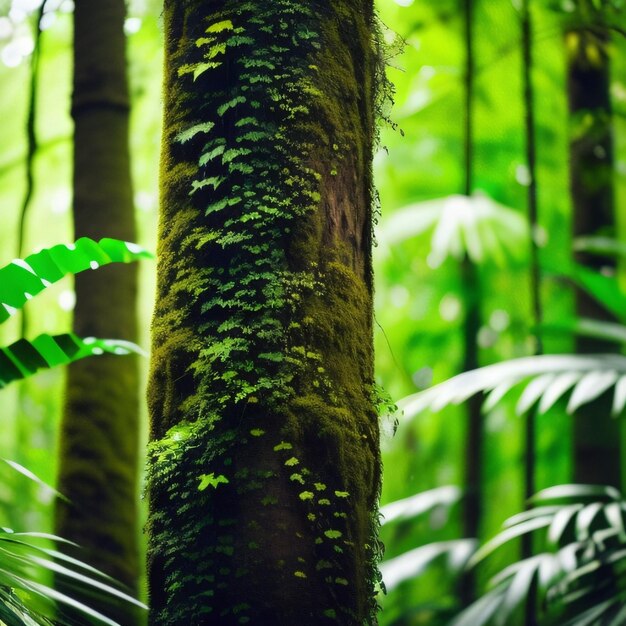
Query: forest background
x=459 y=280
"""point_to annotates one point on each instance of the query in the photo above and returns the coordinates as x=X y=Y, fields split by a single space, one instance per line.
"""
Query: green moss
x=262 y=331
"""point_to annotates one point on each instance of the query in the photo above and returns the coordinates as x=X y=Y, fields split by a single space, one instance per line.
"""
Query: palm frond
x=580 y=579
x=24 y=471
x=23 y=358
x=604 y=246
x=547 y=378
x=413 y=563
x=475 y=226
x=22 y=279
x=419 y=504
x=587 y=327
x=603 y=288
x=25 y=597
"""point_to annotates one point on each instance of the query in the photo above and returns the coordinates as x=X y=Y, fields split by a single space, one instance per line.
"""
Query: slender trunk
x=23 y=426
x=535 y=281
x=471 y=284
x=596 y=435
x=265 y=468
x=99 y=433
x=533 y=221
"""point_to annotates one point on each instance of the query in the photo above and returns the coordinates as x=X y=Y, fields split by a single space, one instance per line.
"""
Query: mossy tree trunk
x=264 y=464
x=99 y=433
x=596 y=435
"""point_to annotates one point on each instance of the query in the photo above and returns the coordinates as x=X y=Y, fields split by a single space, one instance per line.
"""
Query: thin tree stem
x=474 y=434
x=530 y=452
x=31 y=150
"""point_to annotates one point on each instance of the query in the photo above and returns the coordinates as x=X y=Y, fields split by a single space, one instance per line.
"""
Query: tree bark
x=99 y=434
x=264 y=466
x=596 y=435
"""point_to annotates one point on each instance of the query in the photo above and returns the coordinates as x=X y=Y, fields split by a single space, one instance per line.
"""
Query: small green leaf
x=219 y=27
x=230 y=104
x=190 y=133
x=306 y=495
x=333 y=534
x=211 y=480
x=283 y=445
x=291 y=462
x=212 y=181
x=277 y=357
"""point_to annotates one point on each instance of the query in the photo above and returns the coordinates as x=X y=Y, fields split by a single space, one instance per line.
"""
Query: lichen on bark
x=265 y=469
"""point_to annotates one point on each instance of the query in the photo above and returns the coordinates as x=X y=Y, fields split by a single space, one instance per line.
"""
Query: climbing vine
x=264 y=455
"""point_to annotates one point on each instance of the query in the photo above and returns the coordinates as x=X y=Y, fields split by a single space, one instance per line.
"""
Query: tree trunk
x=596 y=435
x=99 y=434
x=265 y=467
x=470 y=278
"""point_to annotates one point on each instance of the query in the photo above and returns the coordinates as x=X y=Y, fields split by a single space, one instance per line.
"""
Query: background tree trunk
x=99 y=435
x=474 y=443
x=596 y=435
x=265 y=467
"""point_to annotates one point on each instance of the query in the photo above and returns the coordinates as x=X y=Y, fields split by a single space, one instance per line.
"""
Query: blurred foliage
x=419 y=289
x=420 y=297
x=26 y=560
